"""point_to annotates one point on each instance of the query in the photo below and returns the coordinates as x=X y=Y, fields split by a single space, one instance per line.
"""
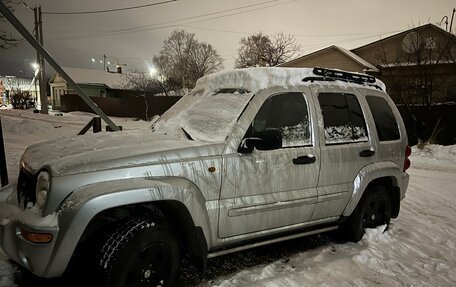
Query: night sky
x=133 y=36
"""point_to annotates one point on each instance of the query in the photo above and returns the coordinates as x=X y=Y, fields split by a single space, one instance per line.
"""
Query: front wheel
x=373 y=210
x=140 y=252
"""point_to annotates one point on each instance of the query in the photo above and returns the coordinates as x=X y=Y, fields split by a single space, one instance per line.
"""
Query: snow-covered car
x=248 y=158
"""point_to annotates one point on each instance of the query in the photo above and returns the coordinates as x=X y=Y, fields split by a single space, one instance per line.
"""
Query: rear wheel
x=140 y=252
x=373 y=210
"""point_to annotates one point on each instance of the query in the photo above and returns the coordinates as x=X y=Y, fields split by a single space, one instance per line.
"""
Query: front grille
x=26 y=185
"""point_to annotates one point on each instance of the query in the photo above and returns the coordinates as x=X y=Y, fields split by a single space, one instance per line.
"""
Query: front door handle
x=366 y=153
x=306 y=159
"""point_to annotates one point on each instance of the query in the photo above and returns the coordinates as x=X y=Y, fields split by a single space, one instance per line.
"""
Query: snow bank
x=434 y=157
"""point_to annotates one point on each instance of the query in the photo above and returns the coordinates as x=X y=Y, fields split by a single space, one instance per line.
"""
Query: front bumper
x=35 y=257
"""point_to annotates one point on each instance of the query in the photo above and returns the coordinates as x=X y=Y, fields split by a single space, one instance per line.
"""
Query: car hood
x=102 y=151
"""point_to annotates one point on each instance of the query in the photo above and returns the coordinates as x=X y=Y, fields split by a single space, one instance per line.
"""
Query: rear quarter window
x=343 y=118
x=385 y=121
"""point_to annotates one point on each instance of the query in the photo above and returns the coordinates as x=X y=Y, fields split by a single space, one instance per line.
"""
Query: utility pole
x=43 y=84
x=38 y=56
x=39 y=60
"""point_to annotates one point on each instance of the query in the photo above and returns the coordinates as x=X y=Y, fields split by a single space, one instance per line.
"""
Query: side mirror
x=267 y=139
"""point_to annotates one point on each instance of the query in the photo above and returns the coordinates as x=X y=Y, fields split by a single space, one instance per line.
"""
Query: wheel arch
x=381 y=173
x=97 y=206
x=190 y=237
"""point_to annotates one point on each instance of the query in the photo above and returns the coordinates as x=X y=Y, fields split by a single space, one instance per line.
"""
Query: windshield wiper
x=187 y=134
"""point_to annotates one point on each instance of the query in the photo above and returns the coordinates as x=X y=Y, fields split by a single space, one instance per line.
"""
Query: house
x=333 y=57
x=418 y=65
x=95 y=83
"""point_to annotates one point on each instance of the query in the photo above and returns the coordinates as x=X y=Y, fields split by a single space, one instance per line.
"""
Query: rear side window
x=343 y=119
x=385 y=121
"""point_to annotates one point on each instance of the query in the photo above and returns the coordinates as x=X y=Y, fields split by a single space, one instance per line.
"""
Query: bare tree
x=266 y=51
x=7 y=40
x=147 y=85
x=186 y=59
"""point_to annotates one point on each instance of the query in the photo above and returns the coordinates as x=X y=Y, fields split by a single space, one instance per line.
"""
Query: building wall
x=332 y=59
x=399 y=49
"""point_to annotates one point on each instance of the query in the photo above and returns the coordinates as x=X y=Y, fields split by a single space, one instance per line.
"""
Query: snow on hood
x=99 y=151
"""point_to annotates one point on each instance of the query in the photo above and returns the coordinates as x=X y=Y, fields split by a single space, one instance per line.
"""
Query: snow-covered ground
x=418 y=249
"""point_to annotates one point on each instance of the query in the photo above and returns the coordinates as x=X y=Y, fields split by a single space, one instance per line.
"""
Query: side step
x=270 y=241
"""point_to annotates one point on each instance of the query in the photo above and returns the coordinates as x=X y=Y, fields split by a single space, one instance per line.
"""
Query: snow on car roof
x=255 y=79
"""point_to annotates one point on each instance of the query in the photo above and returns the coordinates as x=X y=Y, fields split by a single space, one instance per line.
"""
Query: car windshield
x=204 y=116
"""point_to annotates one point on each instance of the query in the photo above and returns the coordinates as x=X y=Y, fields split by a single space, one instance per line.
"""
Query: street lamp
x=152 y=71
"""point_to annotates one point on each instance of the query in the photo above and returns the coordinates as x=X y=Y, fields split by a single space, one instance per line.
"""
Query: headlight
x=42 y=188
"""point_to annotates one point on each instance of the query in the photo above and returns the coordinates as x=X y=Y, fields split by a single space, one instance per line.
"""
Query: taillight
x=408 y=152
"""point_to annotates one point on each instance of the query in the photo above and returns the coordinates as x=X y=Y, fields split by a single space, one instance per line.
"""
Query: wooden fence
x=131 y=106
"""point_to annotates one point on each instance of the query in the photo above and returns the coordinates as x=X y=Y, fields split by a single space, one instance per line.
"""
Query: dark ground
x=218 y=268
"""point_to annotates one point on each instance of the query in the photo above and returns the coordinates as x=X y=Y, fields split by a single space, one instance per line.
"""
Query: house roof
x=422 y=27
x=94 y=77
x=349 y=54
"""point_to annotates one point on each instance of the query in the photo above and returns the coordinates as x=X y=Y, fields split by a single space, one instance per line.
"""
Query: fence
x=427 y=119
x=132 y=106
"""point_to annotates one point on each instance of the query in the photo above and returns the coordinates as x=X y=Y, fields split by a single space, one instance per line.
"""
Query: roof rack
x=332 y=75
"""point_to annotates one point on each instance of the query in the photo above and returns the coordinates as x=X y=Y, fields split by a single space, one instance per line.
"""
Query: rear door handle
x=366 y=153
x=306 y=159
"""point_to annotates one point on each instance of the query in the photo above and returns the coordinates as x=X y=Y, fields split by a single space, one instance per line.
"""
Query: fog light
x=36 y=237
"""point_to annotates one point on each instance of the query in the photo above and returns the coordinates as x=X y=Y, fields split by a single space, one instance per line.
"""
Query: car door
x=346 y=147
x=266 y=189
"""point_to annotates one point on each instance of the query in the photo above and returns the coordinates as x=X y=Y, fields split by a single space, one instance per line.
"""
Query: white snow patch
x=33 y=217
x=205 y=117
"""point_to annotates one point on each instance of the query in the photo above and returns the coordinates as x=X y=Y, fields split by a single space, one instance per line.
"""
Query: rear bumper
x=404 y=184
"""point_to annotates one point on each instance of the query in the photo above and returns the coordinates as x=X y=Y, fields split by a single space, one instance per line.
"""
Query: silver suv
x=249 y=157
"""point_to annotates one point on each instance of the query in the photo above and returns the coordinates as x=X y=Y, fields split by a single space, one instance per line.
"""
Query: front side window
x=288 y=113
x=385 y=121
x=343 y=119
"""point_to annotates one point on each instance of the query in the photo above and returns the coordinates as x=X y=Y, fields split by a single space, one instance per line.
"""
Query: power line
x=297 y=35
x=159 y=25
x=109 y=10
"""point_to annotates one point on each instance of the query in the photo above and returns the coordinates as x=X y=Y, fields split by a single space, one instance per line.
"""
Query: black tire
x=140 y=252
x=374 y=209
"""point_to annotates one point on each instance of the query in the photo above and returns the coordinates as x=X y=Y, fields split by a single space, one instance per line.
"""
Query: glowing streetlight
x=152 y=71
x=93 y=60
x=35 y=66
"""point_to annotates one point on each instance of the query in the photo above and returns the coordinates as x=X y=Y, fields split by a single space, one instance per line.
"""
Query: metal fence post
x=3 y=170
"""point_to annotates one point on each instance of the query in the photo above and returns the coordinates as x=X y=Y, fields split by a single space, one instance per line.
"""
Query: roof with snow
x=93 y=77
x=255 y=79
x=350 y=55
x=403 y=33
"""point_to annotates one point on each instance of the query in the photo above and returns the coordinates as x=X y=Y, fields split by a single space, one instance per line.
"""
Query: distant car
x=249 y=157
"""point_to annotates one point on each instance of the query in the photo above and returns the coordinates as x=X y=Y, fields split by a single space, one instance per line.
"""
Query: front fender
x=366 y=175
x=86 y=202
